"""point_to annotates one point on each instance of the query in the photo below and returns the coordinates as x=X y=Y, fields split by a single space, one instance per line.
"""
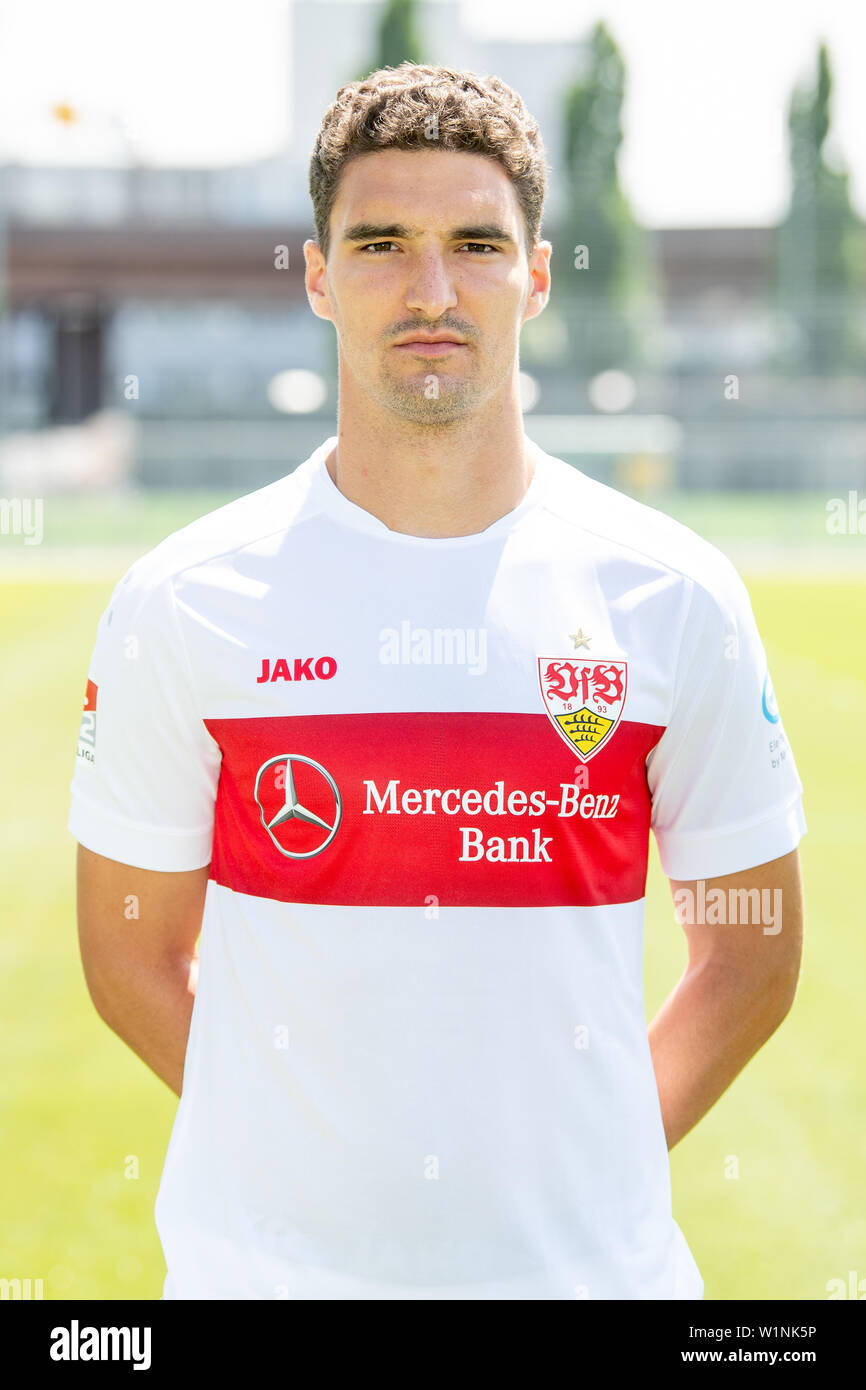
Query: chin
x=423 y=412
x=455 y=402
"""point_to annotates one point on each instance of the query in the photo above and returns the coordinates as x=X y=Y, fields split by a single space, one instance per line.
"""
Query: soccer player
x=390 y=736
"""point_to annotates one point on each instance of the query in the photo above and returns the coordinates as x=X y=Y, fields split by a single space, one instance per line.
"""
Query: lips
x=429 y=347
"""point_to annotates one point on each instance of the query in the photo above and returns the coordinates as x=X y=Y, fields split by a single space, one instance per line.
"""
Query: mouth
x=429 y=347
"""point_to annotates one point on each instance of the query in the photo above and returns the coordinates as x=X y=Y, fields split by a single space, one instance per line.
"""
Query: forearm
x=150 y=1008
x=708 y=1028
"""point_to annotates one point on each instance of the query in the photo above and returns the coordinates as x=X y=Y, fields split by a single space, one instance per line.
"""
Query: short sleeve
x=726 y=794
x=146 y=773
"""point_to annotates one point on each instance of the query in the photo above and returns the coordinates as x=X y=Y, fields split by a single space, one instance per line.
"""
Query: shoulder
x=621 y=530
x=221 y=534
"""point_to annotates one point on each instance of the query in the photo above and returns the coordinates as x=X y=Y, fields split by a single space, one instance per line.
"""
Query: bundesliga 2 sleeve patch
x=87 y=732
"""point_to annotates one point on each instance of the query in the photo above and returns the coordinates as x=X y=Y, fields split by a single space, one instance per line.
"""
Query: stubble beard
x=429 y=400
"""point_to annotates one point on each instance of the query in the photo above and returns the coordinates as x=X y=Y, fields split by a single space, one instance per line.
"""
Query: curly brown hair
x=414 y=107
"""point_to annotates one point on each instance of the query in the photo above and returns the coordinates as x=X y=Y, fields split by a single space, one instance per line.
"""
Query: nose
x=430 y=290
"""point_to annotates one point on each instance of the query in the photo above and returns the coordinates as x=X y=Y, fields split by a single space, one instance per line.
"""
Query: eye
x=375 y=248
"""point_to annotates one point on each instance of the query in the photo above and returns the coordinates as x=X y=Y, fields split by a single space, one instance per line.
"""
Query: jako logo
x=101 y=1344
x=309 y=669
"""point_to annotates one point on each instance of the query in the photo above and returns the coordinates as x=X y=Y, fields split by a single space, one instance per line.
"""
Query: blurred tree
x=819 y=252
x=397 y=37
x=605 y=276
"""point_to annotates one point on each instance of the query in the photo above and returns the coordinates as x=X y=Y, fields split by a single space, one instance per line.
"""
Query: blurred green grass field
x=79 y=1111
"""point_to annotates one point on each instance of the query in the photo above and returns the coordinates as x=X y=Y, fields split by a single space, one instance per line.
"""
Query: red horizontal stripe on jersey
x=402 y=859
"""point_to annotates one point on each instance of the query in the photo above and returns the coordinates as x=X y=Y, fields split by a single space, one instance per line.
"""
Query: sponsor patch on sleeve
x=87 y=732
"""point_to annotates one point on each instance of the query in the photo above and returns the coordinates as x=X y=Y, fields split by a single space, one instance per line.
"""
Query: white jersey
x=424 y=773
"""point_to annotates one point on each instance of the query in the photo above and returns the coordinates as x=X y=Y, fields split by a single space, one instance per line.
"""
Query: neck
x=433 y=480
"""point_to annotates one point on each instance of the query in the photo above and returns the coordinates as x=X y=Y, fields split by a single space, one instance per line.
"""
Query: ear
x=539 y=274
x=316 y=280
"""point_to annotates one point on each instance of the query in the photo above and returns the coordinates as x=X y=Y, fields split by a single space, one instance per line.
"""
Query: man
x=391 y=733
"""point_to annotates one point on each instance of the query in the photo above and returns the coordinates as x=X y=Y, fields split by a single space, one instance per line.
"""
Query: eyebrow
x=373 y=231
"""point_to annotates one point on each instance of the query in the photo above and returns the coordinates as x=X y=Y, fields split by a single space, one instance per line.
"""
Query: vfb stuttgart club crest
x=584 y=700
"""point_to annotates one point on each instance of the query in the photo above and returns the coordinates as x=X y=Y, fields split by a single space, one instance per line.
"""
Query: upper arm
x=726 y=795
x=145 y=779
x=143 y=789
x=727 y=809
x=750 y=921
x=131 y=919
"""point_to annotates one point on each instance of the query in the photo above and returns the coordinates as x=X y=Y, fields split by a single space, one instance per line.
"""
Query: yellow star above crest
x=579 y=639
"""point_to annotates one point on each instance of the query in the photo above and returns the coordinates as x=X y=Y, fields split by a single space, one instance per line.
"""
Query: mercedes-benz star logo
x=293 y=810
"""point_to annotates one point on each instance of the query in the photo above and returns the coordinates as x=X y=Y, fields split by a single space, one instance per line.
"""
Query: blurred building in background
x=165 y=308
